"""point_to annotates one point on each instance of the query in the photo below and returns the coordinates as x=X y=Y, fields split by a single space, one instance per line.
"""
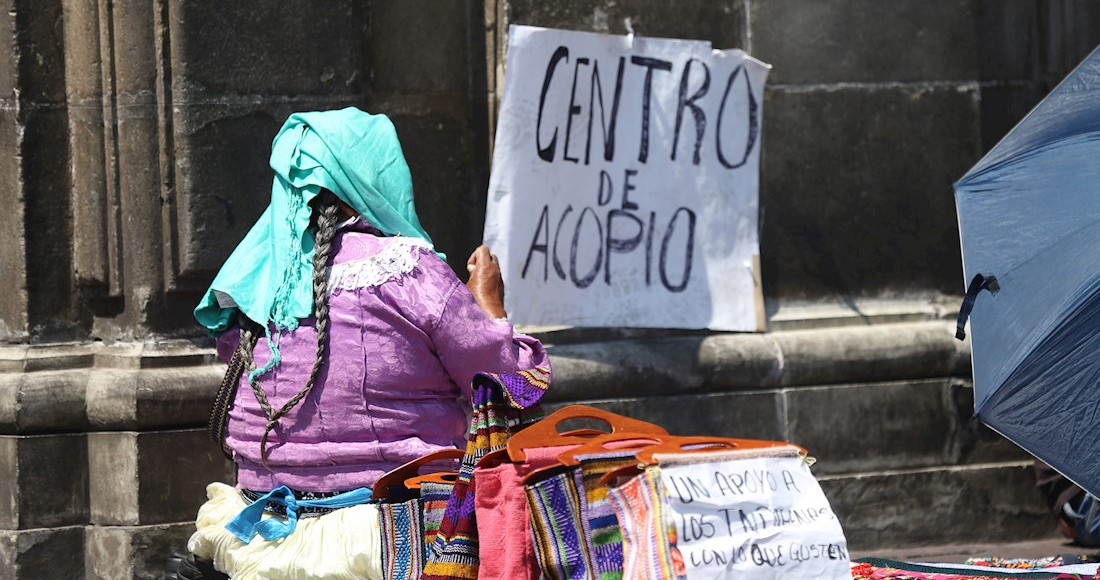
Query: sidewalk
x=958 y=553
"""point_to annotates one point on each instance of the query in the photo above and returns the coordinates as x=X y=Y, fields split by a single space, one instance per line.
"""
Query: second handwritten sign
x=764 y=519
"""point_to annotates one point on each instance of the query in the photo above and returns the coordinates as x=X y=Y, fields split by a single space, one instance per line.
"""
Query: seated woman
x=360 y=345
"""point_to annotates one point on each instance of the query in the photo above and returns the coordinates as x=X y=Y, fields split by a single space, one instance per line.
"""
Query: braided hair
x=325 y=215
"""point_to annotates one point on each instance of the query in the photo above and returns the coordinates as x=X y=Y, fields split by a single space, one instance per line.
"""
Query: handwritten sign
x=762 y=519
x=624 y=189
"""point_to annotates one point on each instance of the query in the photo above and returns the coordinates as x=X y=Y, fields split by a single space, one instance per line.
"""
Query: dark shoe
x=1084 y=517
x=188 y=566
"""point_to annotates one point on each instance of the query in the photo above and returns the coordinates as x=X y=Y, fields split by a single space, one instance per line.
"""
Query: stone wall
x=134 y=139
x=871 y=112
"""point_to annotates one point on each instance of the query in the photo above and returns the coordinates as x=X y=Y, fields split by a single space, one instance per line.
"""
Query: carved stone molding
x=94 y=387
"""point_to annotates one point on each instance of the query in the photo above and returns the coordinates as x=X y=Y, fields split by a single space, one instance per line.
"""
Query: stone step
x=995 y=502
x=850 y=428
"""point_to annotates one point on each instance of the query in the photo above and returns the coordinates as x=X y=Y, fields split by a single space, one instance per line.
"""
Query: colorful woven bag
x=402 y=540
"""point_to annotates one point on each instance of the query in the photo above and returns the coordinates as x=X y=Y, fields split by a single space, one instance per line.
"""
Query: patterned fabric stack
x=409 y=527
x=433 y=502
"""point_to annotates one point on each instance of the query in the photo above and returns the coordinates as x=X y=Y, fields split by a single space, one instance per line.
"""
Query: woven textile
x=649 y=551
x=558 y=529
x=503 y=522
x=304 y=511
x=433 y=502
x=587 y=543
x=501 y=403
x=603 y=525
x=402 y=540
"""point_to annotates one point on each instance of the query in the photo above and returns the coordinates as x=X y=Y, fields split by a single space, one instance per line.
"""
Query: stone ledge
x=727 y=362
x=57 y=357
x=850 y=428
x=106 y=399
x=43 y=481
x=135 y=387
x=42 y=554
x=132 y=552
x=994 y=502
x=153 y=477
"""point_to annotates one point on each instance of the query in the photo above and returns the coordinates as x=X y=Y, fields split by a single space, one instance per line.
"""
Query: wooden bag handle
x=501 y=455
x=604 y=443
x=697 y=444
x=598 y=444
x=445 y=477
x=702 y=444
x=545 y=432
x=396 y=478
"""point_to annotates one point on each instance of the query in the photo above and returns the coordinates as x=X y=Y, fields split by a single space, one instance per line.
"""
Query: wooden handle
x=545 y=433
x=447 y=477
x=397 y=477
x=610 y=477
x=704 y=444
x=606 y=442
x=598 y=444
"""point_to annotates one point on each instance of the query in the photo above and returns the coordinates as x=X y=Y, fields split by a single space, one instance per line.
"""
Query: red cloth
x=503 y=522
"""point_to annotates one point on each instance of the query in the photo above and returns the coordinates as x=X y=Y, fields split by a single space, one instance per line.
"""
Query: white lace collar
x=399 y=256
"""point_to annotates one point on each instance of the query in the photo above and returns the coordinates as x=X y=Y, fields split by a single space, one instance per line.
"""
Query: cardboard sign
x=624 y=189
x=758 y=519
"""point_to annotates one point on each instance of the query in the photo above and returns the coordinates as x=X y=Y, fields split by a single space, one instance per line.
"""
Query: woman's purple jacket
x=405 y=339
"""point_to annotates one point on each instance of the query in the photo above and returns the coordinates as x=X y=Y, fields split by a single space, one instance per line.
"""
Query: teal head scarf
x=353 y=154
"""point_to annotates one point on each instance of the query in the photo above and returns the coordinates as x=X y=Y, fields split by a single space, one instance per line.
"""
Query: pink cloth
x=395 y=383
x=503 y=521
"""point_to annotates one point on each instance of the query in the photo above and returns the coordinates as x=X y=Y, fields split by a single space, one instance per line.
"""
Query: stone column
x=135 y=139
x=35 y=223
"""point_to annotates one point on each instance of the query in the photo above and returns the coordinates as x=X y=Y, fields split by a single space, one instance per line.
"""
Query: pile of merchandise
x=632 y=501
x=976 y=569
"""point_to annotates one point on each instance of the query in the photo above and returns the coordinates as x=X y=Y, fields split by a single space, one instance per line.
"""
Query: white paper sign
x=755 y=519
x=624 y=189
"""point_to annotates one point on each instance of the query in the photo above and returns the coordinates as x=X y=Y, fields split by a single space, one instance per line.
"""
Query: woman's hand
x=485 y=283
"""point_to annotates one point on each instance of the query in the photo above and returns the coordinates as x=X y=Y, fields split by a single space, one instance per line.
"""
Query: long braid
x=249 y=334
x=322 y=248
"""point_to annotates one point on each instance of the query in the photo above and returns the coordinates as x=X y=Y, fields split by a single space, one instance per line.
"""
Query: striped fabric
x=558 y=529
x=598 y=530
x=649 y=551
x=501 y=403
x=402 y=540
x=603 y=524
x=433 y=502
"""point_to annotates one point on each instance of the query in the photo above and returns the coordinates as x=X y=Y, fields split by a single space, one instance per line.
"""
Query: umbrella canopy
x=1028 y=214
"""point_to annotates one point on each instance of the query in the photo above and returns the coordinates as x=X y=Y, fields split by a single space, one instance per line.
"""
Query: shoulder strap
x=219 y=413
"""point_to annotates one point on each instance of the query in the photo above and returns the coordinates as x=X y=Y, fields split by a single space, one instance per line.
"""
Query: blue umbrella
x=1028 y=214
